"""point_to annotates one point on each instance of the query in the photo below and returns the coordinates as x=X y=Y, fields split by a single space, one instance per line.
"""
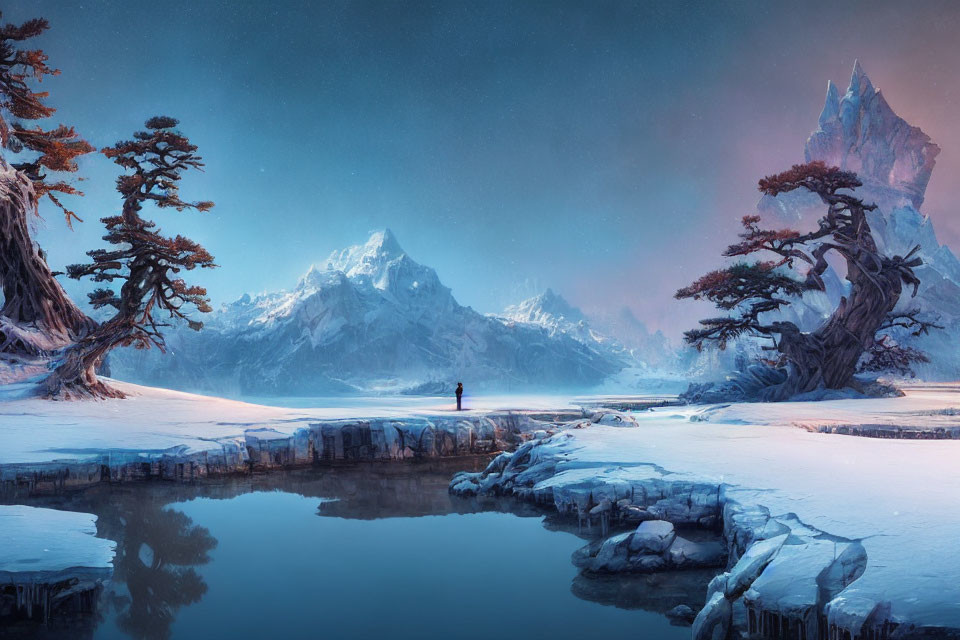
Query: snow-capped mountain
x=860 y=132
x=552 y=312
x=619 y=333
x=650 y=361
x=548 y=309
x=368 y=319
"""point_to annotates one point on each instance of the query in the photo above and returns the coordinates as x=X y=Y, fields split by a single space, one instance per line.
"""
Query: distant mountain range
x=370 y=319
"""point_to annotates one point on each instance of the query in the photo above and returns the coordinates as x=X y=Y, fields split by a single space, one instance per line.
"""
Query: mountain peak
x=860 y=132
x=544 y=308
x=859 y=82
x=368 y=258
x=382 y=263
x=555 y=304
x=385 y=242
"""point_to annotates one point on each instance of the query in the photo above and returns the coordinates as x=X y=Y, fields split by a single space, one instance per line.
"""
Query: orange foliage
x=57 y=148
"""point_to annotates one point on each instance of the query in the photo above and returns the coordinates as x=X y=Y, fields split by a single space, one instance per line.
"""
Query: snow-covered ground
x=153 y=421
x=900 y=498
x=838 y=498
x=926 y=409
x=47 y=446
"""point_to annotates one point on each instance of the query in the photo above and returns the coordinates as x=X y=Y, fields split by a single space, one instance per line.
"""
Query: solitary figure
x=459 y=395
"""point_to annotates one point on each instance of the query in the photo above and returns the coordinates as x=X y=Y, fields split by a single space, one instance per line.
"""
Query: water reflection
x=162 y=552
x=157 y=551
x=656 y=592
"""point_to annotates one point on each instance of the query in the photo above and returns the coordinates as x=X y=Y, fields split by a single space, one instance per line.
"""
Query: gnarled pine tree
x=37 y=316
x=828 y=357
x=145 y=261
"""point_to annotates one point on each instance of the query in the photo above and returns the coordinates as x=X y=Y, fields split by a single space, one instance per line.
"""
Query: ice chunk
x=38 y=542
x=45 y=551
x=713 y=621
x=751 y=564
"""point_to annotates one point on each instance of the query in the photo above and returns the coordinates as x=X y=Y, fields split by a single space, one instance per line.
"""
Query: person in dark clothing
x=459 y=395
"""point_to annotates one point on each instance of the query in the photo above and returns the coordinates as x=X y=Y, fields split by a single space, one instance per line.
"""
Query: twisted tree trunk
x=75 y=378
x=37 y=317
x=828 y=357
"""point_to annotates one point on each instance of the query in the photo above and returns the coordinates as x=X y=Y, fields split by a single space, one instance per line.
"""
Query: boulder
x=681 y=615
x=614 y=419
x=652 y=536
x=685 y=553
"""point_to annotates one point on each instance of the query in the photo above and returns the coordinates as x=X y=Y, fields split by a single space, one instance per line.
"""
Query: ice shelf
x=49 y=559
x=48 y=446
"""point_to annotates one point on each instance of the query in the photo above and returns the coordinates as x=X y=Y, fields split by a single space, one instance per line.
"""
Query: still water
x=360 y=552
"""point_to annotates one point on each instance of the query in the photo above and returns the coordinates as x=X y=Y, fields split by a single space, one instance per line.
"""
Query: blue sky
x=604 y=149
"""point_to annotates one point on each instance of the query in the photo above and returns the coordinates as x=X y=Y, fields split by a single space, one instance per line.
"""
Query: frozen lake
x=360 y=552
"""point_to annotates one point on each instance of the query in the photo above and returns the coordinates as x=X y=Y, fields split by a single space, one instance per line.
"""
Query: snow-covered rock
x=685 y=553
x=613 y=418
x=681 y=615
x=368 y=319
x=624 y=552
x=653 y=536
x=750 y=565
x=713 y=621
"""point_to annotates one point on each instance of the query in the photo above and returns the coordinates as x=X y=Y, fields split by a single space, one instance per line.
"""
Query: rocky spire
x=860 y=132
x=831 y=108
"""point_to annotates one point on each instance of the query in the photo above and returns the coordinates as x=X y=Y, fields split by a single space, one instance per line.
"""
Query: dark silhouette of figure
x=459 y=395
